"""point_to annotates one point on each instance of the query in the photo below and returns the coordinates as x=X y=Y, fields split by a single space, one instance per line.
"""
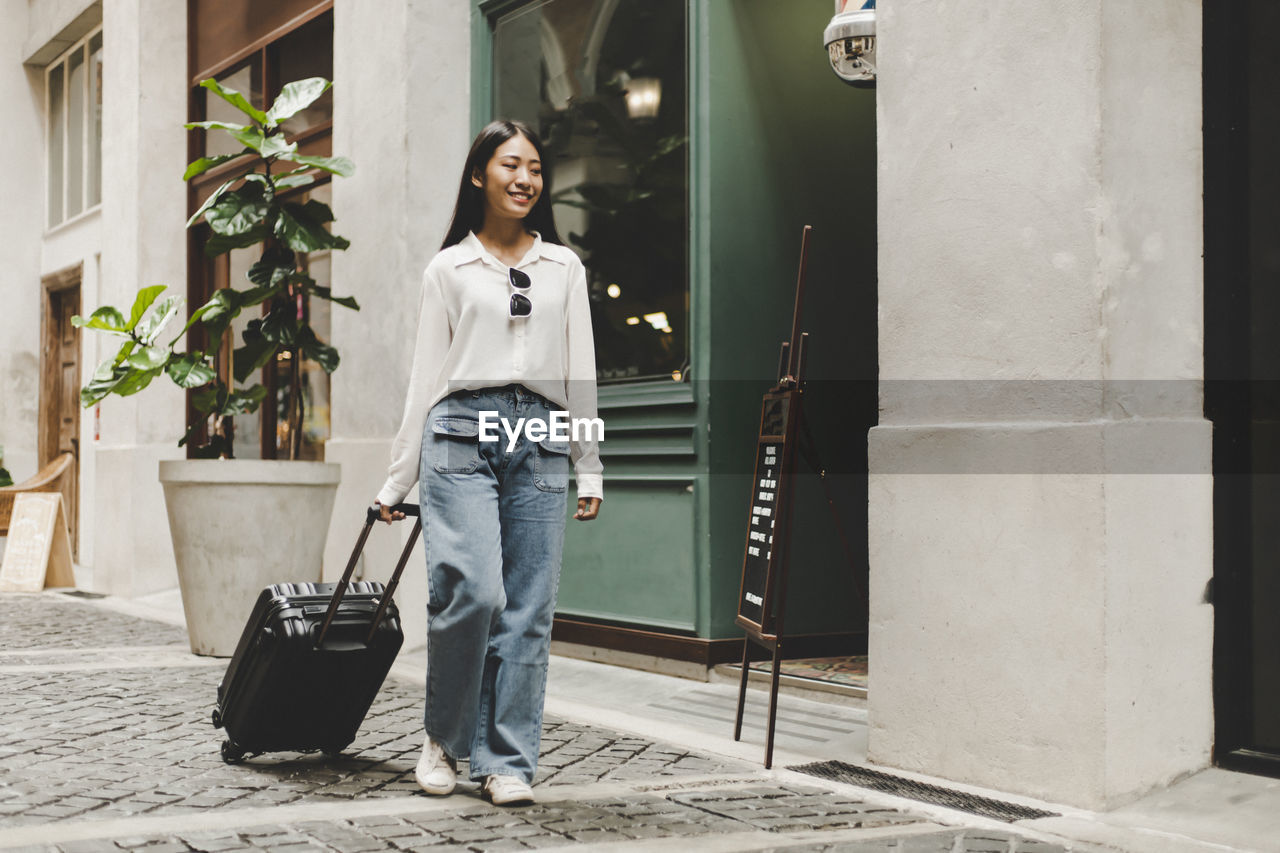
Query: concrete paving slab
x=691 y=712
x=1212 y=810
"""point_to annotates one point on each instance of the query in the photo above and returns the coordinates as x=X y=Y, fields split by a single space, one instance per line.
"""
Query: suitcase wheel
x=217 y=718
x=231 y=753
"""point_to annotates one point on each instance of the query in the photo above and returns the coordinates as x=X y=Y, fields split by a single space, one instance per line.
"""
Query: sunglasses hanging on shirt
x=520 y=304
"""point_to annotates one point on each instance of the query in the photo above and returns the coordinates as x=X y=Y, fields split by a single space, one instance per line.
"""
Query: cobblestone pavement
x=106 y=745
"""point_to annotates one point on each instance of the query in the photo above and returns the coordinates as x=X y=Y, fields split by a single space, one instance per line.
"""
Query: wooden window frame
x=255 y=46
x=204 y=275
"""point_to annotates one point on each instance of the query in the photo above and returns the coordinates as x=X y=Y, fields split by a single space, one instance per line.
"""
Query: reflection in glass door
x=604 y=83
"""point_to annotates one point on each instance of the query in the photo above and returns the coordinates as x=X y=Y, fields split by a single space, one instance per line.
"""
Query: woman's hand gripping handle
x=378 y=512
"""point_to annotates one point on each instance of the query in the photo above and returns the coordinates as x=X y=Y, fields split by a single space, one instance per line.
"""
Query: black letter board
x=765 y=523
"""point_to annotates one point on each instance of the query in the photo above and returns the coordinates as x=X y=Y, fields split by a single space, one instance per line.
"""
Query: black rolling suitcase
x=311 y=660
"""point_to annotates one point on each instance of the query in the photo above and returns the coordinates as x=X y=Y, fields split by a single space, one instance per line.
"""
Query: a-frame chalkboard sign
x=762 y=597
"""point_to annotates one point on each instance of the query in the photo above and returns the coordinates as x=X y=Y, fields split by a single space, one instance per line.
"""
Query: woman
x=504 y=334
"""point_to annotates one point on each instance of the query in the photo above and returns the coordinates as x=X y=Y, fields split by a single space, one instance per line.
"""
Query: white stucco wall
x=38 y=33
x=1040 y=524
x=21 y=115
x=52 y=26
x=403 y=115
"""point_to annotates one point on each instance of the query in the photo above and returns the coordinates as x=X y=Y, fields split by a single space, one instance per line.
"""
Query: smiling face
x=511 y=180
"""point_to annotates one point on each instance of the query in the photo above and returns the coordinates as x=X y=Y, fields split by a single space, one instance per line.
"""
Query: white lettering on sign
x=764 y=496
x=768 y=484
x=753 y=551
x=764 y=510
x=753 y=598
x=757 y=536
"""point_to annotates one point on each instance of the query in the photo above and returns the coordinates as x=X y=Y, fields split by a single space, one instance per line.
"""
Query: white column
x=1040 y=495
x=402 y=113
x=144 y=243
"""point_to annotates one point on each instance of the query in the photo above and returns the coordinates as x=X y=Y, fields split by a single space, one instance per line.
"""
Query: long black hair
x=468 y=211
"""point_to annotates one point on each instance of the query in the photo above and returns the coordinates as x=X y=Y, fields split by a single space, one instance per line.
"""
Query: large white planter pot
x=239 y=525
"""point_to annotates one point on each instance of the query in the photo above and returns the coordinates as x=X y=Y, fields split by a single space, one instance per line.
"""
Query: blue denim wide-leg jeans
x=493 y=523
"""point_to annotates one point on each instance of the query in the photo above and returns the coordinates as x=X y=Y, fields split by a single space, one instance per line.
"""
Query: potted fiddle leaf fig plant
x=239 y=524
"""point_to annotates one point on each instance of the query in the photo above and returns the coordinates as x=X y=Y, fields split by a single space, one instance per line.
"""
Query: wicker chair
x=52 y=478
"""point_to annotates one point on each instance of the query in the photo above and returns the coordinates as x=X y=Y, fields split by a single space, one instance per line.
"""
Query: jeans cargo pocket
x=455 y=444
x=551 y=468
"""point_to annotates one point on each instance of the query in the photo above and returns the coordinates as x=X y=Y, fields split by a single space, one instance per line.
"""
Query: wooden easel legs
x=773 y=702
x=742 y=687
x=776 y=644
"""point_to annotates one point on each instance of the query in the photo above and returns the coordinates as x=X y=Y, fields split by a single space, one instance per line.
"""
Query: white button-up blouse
x=468 y=340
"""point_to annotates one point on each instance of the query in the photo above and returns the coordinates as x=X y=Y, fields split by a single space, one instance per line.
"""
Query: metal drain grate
x=838 y=771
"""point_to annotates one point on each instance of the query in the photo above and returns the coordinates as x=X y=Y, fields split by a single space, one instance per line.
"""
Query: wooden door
x=60 y=387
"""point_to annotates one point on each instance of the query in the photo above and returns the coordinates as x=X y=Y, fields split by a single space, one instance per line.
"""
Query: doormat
x=849 y=671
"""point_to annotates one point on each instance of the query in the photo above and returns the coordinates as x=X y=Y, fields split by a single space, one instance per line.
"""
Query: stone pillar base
x=1038 y=614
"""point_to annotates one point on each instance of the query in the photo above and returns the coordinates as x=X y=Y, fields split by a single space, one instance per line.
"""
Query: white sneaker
x=507 y=791
x=436 y=772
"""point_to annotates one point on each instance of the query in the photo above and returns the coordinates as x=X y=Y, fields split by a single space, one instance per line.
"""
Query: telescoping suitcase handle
x=372 y=514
